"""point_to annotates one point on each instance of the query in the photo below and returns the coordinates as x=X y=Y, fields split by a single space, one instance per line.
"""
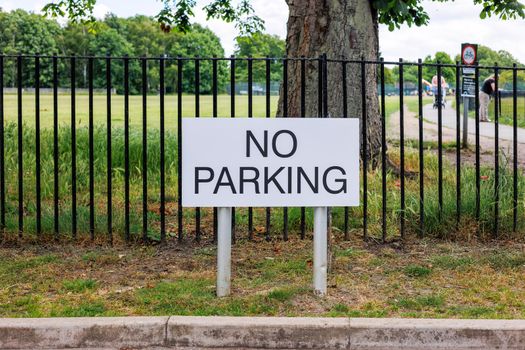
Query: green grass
x=417 y=271
x=411 y=103
x=505 y=260
x=85 y=309
x=438 y=221
x=434 y=225
x=419 y=303
x=451 y=262
x=79 y=285
x=153 y=109
x=135 y=109
x=506 y=116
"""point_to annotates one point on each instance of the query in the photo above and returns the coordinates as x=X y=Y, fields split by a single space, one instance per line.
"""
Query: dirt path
x=430 y=133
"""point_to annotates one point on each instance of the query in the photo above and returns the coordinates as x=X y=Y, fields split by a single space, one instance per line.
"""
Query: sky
x=450 y=25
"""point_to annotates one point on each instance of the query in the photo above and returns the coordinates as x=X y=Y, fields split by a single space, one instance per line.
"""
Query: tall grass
x=433 y=225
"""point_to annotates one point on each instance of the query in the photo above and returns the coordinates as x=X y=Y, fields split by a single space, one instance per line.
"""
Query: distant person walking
x=439 y=99
x=487 y=90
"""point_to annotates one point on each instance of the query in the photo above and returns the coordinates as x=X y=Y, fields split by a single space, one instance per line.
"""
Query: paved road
x=485 y=129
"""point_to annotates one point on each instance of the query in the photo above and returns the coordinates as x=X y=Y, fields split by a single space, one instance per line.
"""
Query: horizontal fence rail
x=90 y=146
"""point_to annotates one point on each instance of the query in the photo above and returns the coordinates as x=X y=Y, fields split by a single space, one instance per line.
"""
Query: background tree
x=341 y=29
x=27 y=33
x=448 y=73
x=260 y=45
x=135 y=36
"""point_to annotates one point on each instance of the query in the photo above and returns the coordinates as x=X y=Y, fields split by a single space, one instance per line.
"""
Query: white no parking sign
x=270 y=162
x=250 y=162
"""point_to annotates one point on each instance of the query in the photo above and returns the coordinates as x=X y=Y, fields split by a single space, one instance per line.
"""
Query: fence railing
x=108 y=164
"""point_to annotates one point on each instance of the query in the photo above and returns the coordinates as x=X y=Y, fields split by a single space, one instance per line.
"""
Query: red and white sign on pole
x=469 y=56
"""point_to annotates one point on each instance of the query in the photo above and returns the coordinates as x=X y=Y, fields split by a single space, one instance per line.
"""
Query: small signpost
x=270 y=162
x=468 y=87
x=469 y=56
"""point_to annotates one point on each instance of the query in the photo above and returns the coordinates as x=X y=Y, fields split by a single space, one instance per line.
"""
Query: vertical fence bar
x=365 y=147
x=162 y=155
x=497 y=111
x=197 y=115
x=478 y=185
x=458 y=146
x=320 y=87
x=232 y=108
x=91 y=155
x=56 y=208
x=328 y=212
x=383 y=154
x=345 y=115
x=499 y=101
x=144 y=149
x=109 y=155
x=179 y=149
x=402 y=145
x=421 y=149
x=127 y=232
x=37 y=148
x=325 y=86
x=2 y=153
x=303 y=115
x=214 y=114
x=268 y=87
x=515 y=146
x=285 y=115
x=20 y=150
x=73 y=151
x=250 y=115
x=440 y=140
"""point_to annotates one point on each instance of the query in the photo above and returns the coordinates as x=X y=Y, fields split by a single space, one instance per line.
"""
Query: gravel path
x=430 y=133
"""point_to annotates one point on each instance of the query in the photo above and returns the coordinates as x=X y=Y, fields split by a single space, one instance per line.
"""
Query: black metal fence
x=108 y=163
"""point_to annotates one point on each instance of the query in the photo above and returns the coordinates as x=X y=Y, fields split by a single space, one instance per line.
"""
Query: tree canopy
x=260 y=45
x=178 y=14
x=137 y=36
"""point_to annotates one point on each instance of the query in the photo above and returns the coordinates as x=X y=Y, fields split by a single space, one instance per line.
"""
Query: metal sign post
x=320 y=250
x=224 y=250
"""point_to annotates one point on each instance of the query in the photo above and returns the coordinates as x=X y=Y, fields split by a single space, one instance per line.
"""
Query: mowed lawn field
x=507 y=111
x=135 y=108
x=153 y=108
x=506 y=115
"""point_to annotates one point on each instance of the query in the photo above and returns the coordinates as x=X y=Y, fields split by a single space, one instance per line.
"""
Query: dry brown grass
x=415 y=278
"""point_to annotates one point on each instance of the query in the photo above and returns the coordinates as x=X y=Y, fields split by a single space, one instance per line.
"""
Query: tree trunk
x=343 y=29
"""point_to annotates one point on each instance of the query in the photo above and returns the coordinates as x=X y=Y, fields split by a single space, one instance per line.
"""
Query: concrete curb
x=259 y=332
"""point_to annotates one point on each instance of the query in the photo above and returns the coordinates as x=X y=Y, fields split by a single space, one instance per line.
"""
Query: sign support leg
x=320 y=250
x=224 y=250
x=465 y=121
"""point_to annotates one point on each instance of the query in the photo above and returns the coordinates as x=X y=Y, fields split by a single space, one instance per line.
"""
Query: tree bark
x=341 y=29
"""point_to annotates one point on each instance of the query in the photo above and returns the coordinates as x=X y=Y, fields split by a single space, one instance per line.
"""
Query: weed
x=419 y=302
x=451 y=262
x=79 y=285
x=85 y=309
x=504 y=260
x=281 y=294
x=417 y=271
